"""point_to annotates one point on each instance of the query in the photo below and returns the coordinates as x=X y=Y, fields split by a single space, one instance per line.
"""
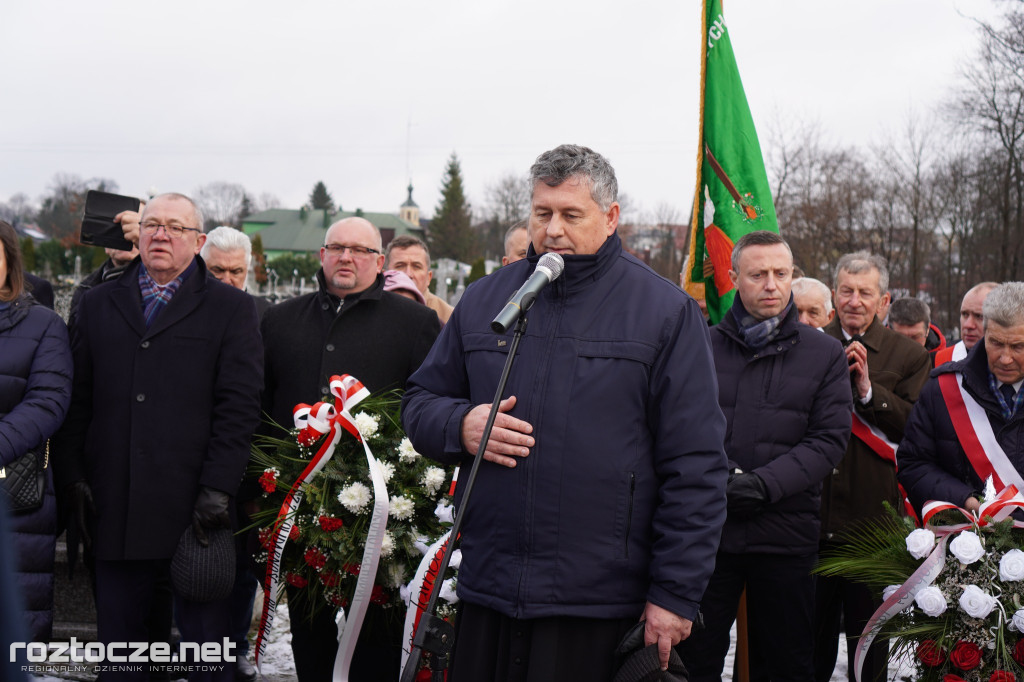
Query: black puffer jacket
x=35 y=390
x=788 y=406
x=932 y=463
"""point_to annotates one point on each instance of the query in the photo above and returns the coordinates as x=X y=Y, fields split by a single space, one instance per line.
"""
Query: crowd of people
x=644 y=466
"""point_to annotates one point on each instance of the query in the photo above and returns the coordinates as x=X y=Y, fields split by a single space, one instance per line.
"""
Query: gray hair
x=864 y=261
x=519 y=225
x=756 y=238
x=1004 y=305
x=806 y=285
x=227 y=239
x=570 y=160
x=197 y=213
x=909 y=311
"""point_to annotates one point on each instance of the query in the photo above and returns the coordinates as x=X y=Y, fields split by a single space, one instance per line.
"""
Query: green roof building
x=302 y=230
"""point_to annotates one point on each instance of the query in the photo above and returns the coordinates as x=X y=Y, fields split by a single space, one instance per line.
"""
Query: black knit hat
x=641 y=663
x=204 y=573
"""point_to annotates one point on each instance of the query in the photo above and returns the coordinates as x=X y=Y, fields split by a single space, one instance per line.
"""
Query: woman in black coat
x=35 y=390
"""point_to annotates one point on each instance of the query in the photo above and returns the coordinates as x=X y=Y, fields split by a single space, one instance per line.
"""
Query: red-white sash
x=975 y=434
x=873 y=437
x=880 y=444
x=954 y=353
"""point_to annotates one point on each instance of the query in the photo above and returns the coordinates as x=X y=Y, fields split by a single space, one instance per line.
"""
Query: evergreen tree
x=451 y=235
x=320 y=198
x=259 y=260
x=28 y=254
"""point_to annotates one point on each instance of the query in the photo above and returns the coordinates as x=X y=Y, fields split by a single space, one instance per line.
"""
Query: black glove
x=81 y=510
x=211 y=512
x=745 y=495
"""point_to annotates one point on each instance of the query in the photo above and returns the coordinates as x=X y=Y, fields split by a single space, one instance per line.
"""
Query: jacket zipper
x=629 y=512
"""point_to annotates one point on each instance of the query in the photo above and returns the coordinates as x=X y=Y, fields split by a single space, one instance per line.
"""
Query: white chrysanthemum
x=931 y=601
x=445 y=512
x=396 y=575
x=401 y=507
x=388 y=544
x=367 y=424
x=355 y=497
x=387 y=470
x=433 y=479
x=966 y=547
x=976 y=602
x=1011 y=566
x=406 y=452
x=920 y=543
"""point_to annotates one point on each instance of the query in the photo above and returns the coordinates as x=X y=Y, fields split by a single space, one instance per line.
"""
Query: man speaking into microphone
x=602 y=495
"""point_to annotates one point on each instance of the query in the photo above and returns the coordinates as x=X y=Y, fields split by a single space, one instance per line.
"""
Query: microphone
x=548 y=269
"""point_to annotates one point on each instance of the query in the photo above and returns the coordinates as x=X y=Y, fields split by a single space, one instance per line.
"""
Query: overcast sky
x=368 y=95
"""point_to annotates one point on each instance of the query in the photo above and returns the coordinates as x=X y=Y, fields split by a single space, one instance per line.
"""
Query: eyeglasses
x=172 y=231
x=339 y=249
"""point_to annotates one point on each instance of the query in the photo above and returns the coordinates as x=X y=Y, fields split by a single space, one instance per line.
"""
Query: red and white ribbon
x=419 y=591
x=874 y=438
x=313 y=421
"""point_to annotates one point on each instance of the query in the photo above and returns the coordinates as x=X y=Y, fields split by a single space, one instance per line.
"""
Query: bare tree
x=223 y=203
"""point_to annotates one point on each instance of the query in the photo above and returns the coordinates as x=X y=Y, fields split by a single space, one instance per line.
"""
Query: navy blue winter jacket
x=932 y=464
x=621 y=500
x=35 y=390
x=788 y=406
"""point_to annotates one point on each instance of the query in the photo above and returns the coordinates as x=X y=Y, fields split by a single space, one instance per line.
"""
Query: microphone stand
x=436 y=635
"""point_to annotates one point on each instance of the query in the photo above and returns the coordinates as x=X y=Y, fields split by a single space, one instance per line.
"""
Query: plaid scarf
x=155 y=297
x=1008 y=409
x=758 y=333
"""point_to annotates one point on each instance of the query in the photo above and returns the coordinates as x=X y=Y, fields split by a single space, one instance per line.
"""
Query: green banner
x=732 y=196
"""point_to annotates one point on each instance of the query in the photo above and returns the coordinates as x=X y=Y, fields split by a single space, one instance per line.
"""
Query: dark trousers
x=835 y=598
x=491 y=646
x=780 y=594
x=125 y=594
x=378 y=654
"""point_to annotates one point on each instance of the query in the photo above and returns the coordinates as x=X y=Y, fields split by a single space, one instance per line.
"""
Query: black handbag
x=23 y=481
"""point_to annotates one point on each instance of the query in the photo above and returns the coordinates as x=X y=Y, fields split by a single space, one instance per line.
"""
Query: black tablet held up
x=98 y=226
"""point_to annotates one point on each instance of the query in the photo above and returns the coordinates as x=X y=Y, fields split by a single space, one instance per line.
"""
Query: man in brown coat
x=887 y=371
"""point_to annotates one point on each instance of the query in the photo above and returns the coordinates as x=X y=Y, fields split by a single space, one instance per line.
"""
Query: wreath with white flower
x=955 y=596
x=326 y=544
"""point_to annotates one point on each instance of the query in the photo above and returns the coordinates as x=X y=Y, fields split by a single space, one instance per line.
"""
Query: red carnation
x=330 y=523
x=330 y=578
x=1002 y=676
x=315 y=558
x=294 y=533
x=336 y=599
x=352 y=568
x=268 y=481
x=965 y=655
x=296 y=580
x=378 y=595
x=950 y=677
x=930 y=653
x=307 y=436
x=1018 y=651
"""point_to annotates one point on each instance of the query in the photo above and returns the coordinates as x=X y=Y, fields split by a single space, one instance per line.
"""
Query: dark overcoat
x=156 y=413
x=898 y=368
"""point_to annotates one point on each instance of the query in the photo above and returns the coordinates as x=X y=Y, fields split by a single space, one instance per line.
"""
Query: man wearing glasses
x=167 y=374
x=350 y=325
